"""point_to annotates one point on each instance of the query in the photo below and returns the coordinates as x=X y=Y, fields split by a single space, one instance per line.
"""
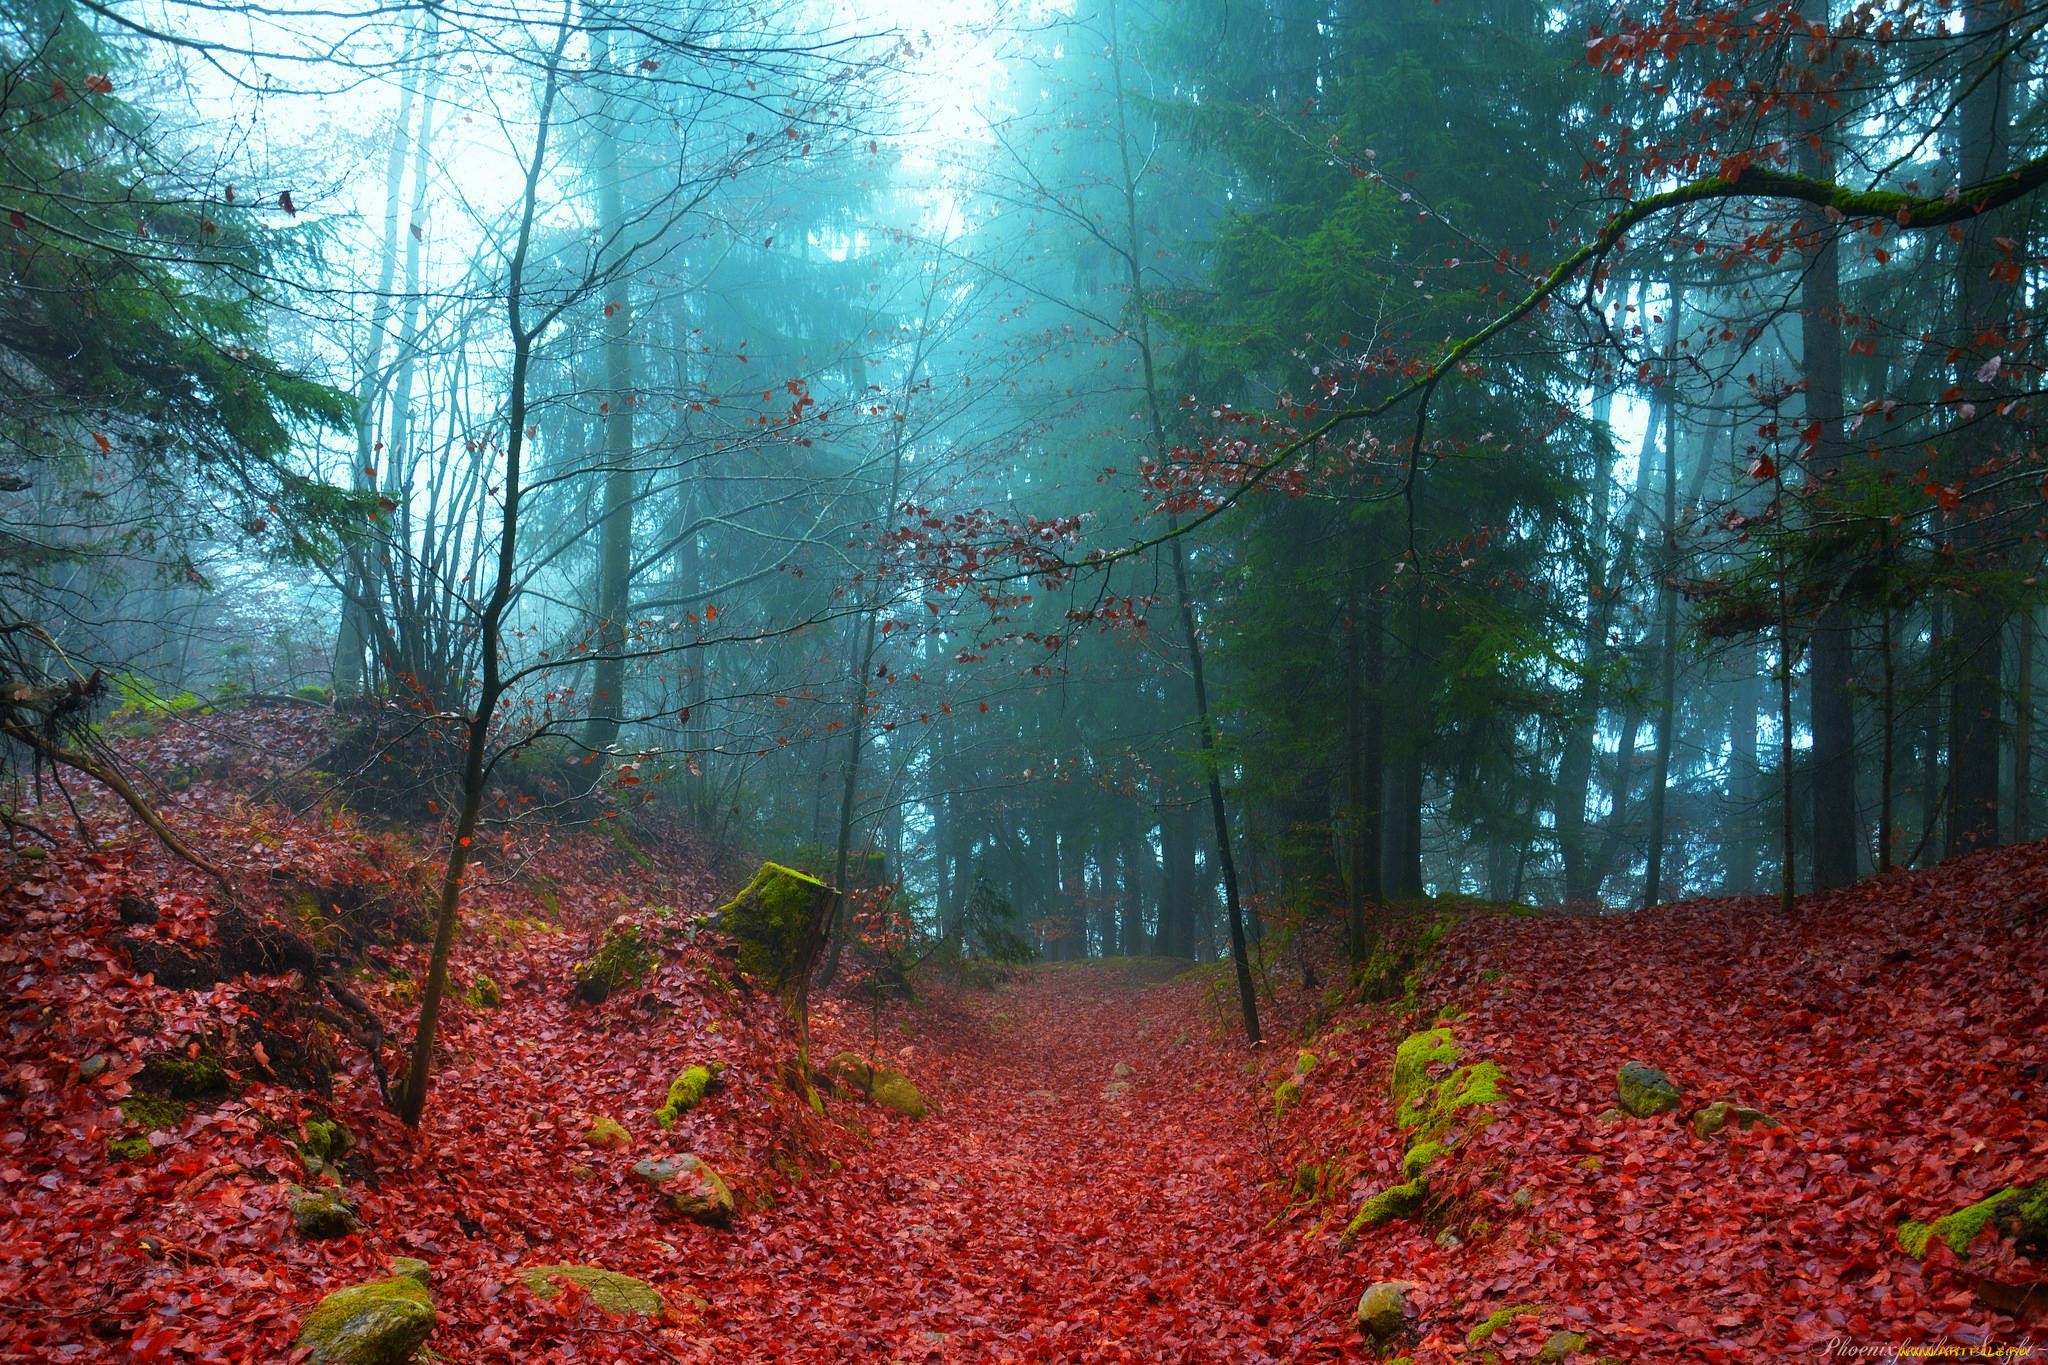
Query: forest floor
x=1107 y=1173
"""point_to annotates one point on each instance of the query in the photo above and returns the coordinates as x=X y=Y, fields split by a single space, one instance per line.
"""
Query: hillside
x=1103 y=1175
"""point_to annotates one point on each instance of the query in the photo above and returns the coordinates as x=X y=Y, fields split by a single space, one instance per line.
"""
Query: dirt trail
x=1052 y=1209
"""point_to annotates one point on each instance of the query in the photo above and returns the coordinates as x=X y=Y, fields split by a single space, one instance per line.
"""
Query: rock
x=1390 y=1205
x=130 y=1149
x=890 y=1089
x=325 y=1143
x=1610 y=1116
x=1561 y=1347
x=1712 y=1118
x=607 y=1133
x=93 y=1066
x=690 y=1187
x=622 y=960
x=778 y=921
x=1645 y=1091
x=1420 y=1158
x=1523 y=1199
x=893 y=1091
x=380 y=1323
x=132 y=907
x=1121 y=1070
x=1383 y=1311
x=686 y=1092
x=321 y=1214
x=608 y=1289
x=413 y=1268
x=483 y=993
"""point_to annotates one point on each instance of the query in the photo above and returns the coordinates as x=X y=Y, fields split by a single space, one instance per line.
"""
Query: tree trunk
x=1667 y=619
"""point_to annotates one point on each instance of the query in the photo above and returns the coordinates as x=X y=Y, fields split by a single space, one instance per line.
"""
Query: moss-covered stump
x=383 y=1322
x=2017 y=1211
x=686 y=1092
x=607 y=1133
x=623 y=960
x=688 y=1185
x=1712 y=1118
x=321 y=1214
x=1383 y=1311
x=778 y=921
x=889 y=1088
x=608 y=1289
x=1645 y=1092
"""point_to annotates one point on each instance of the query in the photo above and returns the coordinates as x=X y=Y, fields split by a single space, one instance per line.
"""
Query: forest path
x=1051 y=1209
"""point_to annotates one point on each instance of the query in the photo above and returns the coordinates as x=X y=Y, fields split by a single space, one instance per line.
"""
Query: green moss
x=325 y=1144
x=609 y=1290
x=130 y=1149
x=153 y=1113
x=770 y=919
x=623 y=841
x=383 y=1322
x=2019 y=1210
x=1414 y=1057
x=607 y=1132
x=622 y=960
x=1420 y=1158
x=1434 y=1111
x=893 y=1091
x=183 y=1078
x=1390 y=1205
x=483 y=993
x=685 y=1093
x=1499 y=1319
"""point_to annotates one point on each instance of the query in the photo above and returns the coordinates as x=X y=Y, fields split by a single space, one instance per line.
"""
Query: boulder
x=608 y=1289
x=623 y=959
x=1561 y=1347
x=607 y=1133
x=1645 y=1091
x=1390 y=1205
x=1383 y=1311
x=321 y=1214
x=688 y=1185
x=1711 y=1119
x=383 y=1322
x=890 y=1089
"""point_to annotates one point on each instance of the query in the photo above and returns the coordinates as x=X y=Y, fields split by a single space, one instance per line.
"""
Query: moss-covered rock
x=2017 y=1211
x=1712 y=1118
x=1413 y=1060
x=777 y=921
x=325 y=1143
x=413 y=1268
x=321 y=1214
x=1383 y=1311
x=623 y=960
x=383 y=1322
x=1421 y=1157
x=1390 y=1205
x=130 y=1149
x=184 y=1077
x=1441 y=1106
x=892 y=1089
x=1499 y=1319
x=1561 y=1347
x=153 y=1113
x=483 y=993
x=608 y=1289
x=686 y=1092
x=1644 y=1091
x=1288 y=1093
x=688 y=1185
x=607 y=1133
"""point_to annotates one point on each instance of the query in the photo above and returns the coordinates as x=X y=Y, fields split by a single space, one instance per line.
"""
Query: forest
x=1065 y=680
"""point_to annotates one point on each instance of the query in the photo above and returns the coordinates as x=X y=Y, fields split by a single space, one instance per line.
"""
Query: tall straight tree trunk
x=1986 y=317
x=2023 y=732
x=1745 y=776
x=1667 y=618
x=615 y=528
x=1831 y=707
x=1134 y=256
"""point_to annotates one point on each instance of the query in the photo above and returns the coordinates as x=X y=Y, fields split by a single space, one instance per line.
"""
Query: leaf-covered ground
x=1107 y=1176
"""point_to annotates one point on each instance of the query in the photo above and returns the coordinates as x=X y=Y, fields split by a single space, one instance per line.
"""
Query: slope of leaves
x=1104 y=1177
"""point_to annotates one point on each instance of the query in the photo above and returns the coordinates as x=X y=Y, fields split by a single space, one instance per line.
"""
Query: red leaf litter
x=1104 y=1176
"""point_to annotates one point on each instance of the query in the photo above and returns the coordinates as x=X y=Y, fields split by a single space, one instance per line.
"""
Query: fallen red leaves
x=1051 y=1209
